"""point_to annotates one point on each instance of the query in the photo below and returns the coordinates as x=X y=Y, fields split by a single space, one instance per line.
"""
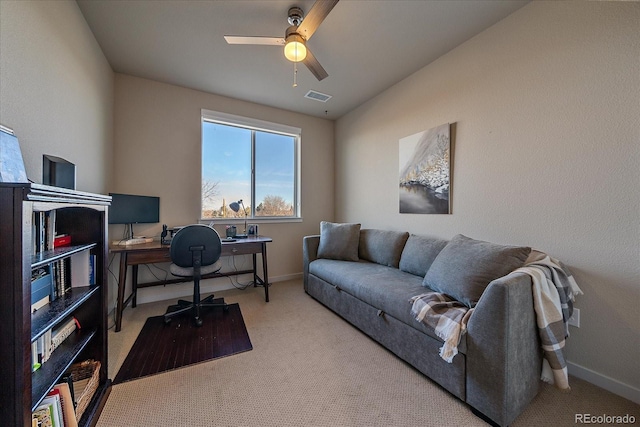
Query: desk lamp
x=235 y=206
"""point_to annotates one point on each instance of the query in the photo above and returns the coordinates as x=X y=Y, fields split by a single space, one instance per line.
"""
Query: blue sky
x=226 y=154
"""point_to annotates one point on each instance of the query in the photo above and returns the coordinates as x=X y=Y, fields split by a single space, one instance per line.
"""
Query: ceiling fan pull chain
x=295 y=74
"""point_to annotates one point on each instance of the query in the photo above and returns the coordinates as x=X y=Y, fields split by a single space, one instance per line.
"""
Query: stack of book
x=43 y=232
x=56 y=409
x=43 y=347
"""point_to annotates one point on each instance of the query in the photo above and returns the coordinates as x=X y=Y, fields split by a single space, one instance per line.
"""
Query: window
x=252 y=161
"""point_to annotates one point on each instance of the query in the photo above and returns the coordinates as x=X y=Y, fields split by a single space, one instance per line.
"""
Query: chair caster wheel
x=197 y=321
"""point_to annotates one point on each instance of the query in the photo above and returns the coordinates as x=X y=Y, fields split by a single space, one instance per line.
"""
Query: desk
x=150 y=253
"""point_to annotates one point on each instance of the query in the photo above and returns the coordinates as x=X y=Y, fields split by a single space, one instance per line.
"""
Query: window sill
x=234 y=221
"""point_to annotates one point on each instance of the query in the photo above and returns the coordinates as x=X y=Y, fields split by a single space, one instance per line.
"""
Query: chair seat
x=188 y=271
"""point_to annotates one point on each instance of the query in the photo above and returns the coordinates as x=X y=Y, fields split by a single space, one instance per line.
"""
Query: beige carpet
x=310 y=368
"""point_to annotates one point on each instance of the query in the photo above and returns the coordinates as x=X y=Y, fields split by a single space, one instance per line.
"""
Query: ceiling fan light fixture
x=295 y=49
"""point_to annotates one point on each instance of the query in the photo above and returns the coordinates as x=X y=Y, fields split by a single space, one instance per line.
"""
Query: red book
x=62 y=240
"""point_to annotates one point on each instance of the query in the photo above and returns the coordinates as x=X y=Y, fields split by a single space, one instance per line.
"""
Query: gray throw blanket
x=554 y=291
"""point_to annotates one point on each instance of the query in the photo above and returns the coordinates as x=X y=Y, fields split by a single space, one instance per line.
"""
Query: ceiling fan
x=295 y=40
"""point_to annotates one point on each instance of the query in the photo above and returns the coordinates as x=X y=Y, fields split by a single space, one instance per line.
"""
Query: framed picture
x=425 y=172
x=11 y=163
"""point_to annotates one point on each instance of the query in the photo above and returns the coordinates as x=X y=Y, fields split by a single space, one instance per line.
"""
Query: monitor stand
x=129 y=231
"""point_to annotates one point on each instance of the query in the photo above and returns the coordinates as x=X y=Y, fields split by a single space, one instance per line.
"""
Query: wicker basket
x=86 y=377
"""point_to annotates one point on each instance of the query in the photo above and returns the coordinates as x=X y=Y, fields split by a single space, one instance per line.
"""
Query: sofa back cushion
x=383 y=247
x=464 y=267
x=339 y=241
x=419 y=252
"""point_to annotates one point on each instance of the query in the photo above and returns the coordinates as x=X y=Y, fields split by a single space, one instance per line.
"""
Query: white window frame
x=264 y=126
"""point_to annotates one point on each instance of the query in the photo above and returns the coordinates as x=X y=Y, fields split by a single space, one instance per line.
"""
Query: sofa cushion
x=465 y=266
x=339 y=241
x=382 y=246
x=419 y=252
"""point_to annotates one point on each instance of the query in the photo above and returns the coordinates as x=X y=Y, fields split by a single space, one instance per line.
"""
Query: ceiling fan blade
x=314 y=66
x=259 y=40
x=314 y=18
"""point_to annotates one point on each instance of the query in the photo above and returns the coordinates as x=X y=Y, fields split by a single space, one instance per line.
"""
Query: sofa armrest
x=309 y=253
x=504 y=357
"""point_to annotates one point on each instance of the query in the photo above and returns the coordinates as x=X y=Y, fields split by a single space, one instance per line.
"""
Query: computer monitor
x=133 y=209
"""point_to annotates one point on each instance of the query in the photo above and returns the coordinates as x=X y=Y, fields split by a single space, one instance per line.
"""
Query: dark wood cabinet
x=83 y=216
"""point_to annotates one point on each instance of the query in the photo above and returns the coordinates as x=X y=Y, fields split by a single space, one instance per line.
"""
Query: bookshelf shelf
x=60 y=309
x=47 y=257
x=30 y=216
x=50 y=373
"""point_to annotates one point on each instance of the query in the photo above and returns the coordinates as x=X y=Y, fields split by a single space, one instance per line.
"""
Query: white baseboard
x=614 y=386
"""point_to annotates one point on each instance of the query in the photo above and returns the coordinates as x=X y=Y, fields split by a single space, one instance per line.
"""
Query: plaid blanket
x=446 y=316
x=554 y=290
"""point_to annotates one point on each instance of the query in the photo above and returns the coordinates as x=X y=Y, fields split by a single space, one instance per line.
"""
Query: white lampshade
x=295 y=49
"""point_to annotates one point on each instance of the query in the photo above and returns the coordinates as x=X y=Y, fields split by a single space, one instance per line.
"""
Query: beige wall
x=547 y=154
x=546 y=150
x=56 y=89
x=158 y=152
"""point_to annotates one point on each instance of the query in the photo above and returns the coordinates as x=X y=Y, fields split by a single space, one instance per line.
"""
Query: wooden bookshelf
x=83 y=216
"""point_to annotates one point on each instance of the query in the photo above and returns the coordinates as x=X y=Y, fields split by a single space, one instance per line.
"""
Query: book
x=46 y=350
x=62 y=240
x=62 y=331
x=54 y=280
x=50 y=228
x=40 y=284
x=35 y=363
x=66 y=400
x=42 y=416
x=44 y=301
x=40 y=349
x=92 y=269
x=40 y=236
x=55 y=409
x=62 y=276
x=80 y=271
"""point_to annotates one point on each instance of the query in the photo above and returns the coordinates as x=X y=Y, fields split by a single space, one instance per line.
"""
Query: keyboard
x=134 y=241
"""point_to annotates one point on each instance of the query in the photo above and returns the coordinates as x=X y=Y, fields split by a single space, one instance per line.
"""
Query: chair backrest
x=190 y=237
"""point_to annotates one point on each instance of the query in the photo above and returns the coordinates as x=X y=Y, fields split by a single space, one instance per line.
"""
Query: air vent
x=322 y=97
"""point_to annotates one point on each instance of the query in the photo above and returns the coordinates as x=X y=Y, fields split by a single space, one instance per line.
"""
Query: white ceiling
x=365 y=46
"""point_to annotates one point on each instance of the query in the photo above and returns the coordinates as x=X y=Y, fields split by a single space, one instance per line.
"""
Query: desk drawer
x=149 y=256
x=241 y=249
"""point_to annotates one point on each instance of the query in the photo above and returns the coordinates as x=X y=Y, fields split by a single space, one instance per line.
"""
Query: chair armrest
x=504 y=357
x=309 y=253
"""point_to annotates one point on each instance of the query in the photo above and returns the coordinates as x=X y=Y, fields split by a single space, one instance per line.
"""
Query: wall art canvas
x=11 y=163
x=425 y=172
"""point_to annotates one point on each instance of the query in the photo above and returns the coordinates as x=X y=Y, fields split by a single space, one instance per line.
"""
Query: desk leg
x=264 y=272
x=256 y=279
x=122 y=278
x=134 y=284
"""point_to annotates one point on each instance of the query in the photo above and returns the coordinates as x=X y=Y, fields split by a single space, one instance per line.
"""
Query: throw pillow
x=383 y=247
x=339 y=241
x=419 y=253
x=465 y=267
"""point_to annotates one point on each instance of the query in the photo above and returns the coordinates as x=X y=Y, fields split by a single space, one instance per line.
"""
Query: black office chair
x=195 y=251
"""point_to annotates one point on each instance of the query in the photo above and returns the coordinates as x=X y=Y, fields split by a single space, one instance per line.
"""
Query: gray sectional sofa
x=368 y=277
